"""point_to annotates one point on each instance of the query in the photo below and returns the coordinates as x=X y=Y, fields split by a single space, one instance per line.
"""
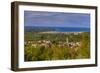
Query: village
x=56 y=46
x=49 y=44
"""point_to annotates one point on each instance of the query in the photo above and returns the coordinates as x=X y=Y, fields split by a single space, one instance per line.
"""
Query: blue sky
x=56 y=19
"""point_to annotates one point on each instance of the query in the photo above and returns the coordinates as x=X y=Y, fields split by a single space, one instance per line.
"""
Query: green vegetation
x=56 y=46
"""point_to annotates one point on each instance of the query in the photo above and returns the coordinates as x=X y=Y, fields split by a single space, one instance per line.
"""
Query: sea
x=56 y=29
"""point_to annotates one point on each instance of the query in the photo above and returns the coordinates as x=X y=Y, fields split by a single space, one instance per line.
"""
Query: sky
x=56 y=19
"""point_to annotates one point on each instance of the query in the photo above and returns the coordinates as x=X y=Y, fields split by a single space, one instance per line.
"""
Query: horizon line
x=56 y=26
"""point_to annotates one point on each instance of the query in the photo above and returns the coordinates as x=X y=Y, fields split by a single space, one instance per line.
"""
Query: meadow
x=39 y=46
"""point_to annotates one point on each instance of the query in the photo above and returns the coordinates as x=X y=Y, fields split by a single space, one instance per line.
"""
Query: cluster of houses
x=49 y=44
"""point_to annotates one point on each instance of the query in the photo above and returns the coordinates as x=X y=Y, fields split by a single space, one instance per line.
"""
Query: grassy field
x=56 y=46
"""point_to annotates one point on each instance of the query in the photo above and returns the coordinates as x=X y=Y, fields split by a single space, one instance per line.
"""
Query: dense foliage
x=56 y=46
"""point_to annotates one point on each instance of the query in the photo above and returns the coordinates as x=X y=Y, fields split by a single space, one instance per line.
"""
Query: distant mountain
x=57 y=29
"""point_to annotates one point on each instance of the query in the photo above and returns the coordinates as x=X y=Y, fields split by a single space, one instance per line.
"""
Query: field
x=41 y=46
